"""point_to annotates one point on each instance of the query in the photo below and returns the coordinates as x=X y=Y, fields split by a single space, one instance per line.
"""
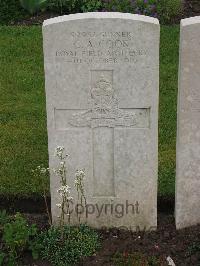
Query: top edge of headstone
x=190 y=21
x=100 y=15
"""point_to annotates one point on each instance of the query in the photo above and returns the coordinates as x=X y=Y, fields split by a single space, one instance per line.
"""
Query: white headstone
x=102 y=86
x=188 y=134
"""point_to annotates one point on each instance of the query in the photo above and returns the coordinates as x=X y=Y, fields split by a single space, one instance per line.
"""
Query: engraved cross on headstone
x=104 y=117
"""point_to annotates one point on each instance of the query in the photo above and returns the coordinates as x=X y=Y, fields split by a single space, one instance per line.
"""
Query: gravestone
x=188 y=133
x=102 y=84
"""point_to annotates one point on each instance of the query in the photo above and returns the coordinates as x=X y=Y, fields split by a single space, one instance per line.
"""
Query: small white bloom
x=55 y=170
x=66 y=187
x=69 y=198
x=62 y=164
x=81 y=172
x=64 y=190
x=58 y=205
x=60 y=148
x=43 y=170
x=79 y=175
x=59 y=151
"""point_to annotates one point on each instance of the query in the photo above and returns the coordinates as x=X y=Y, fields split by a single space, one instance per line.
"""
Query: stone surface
x=188 y=134
x=102 y=86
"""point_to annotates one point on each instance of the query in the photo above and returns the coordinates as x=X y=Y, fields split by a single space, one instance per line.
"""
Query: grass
x=167 y=109
x=23 y=135
x=23 y=132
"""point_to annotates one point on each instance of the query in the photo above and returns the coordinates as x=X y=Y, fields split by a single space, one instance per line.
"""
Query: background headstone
x=102 y=86
x=188 y=134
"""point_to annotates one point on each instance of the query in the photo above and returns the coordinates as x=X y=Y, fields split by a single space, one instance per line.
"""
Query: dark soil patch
x=36 y=205
x=26 y=205
x=164 y=242
x=36 y=19
x=191 y=8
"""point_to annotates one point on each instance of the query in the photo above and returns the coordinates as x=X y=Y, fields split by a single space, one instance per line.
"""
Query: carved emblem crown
x=102 y=88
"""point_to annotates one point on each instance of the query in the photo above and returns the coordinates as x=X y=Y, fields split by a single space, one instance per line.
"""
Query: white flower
x=59 y=151
x=80 y=173
x=58 y=205
x=69 y=198
x=60 y=148
x=64 y=190
x=43 y=170
x=62 y=164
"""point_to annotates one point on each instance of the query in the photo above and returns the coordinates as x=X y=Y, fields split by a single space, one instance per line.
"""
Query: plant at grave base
x=79 y=184
x=17 y=236
x=64 y=190
x=194 y=249
x=78 y=242
x=66 y=244
x=33 y=6
x=42 y=174
x=4 y=218
x=2 y=257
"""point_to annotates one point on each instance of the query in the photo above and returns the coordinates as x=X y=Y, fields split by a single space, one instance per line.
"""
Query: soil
x=35 y=19
x=191 y=8
x=166 y=241
x=13 y=205
x=26 y=205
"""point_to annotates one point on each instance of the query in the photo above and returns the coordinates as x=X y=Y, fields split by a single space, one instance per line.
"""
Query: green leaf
x=2 y=256
x=32 y=6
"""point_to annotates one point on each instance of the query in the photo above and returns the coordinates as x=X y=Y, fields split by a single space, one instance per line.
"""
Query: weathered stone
x=188 y=134
x=102 y=79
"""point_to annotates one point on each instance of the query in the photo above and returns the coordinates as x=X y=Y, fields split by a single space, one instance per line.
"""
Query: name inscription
x=102 y=47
